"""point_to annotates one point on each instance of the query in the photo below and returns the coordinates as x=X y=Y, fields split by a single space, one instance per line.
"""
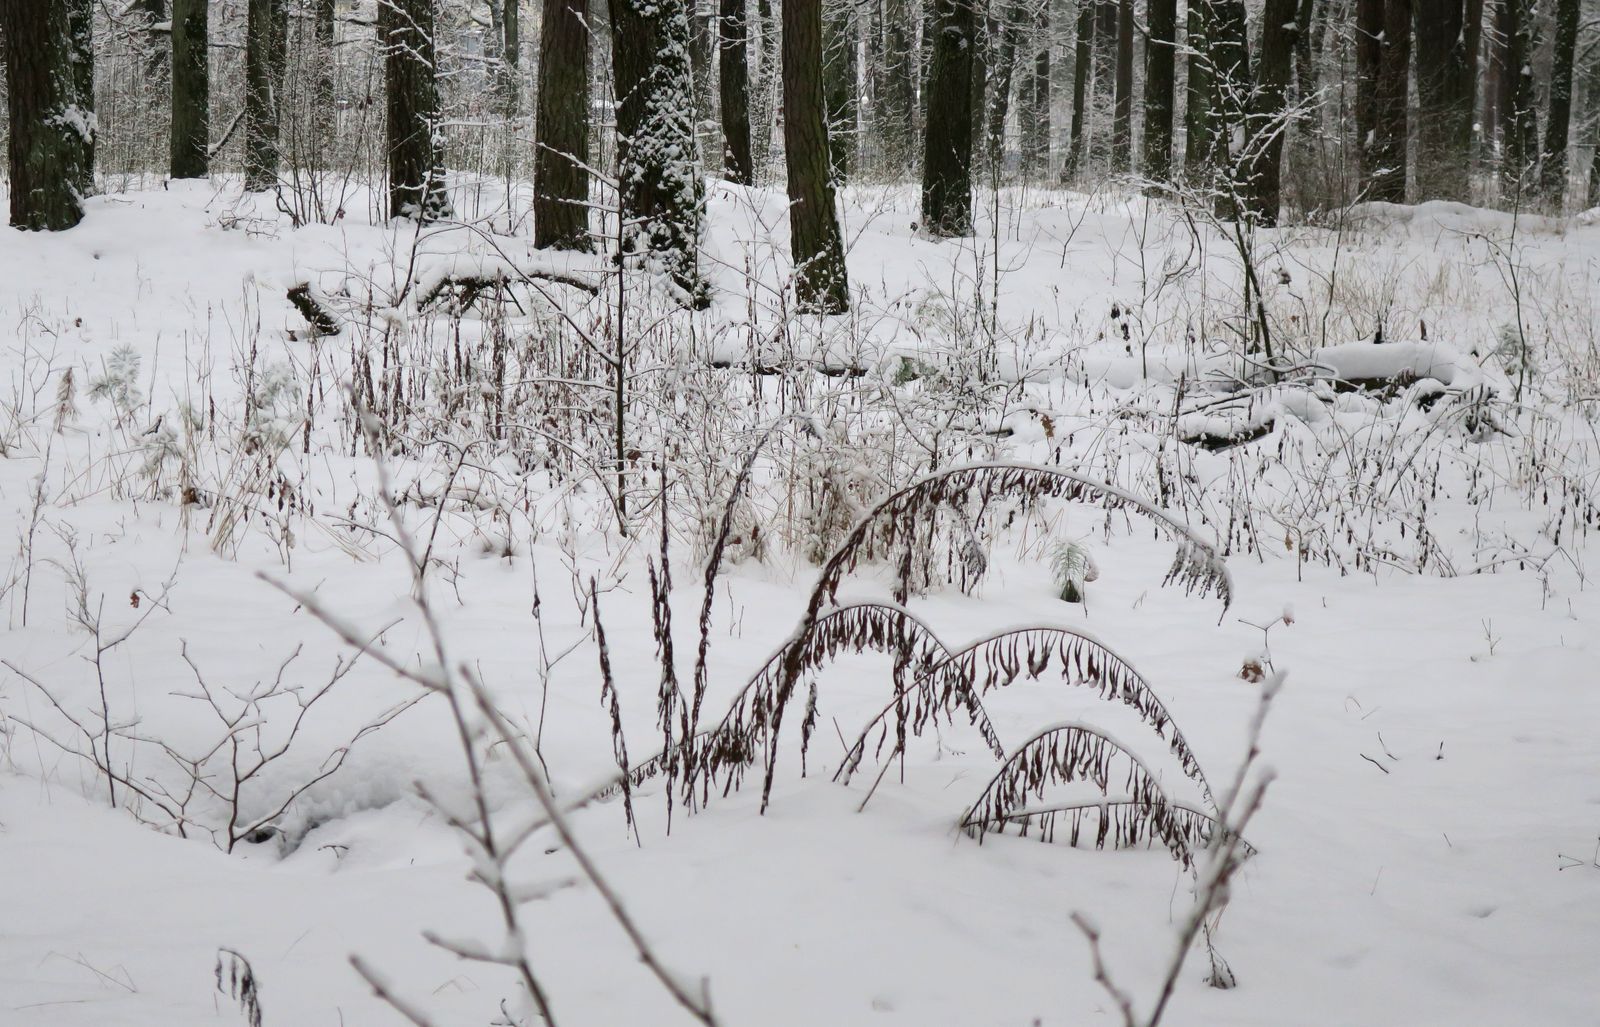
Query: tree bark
x=1000 y=78
x=1387 y=180
x=1369 y=53
x=1160 y=60
x=658 y=162
x=1444 y=99
x=821 y=285
x=1227 y=48
x=1270 y=110
x=48 y=148
x=191 y=90
x=561 y=129
x=1082 y=55
x=1520 y=143
x=266 y=48
x=80 y=20
x=1197 y=142
x=947 y=153
x=1553 y=158
x=1122 y=116
x=839 y=73
x=1033 y=98
x=894 y=113
x=733 y=58
x=416 y=182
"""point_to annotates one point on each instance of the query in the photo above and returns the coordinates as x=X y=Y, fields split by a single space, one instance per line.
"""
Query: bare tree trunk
x=266 y=48
x=1553 y=159
x=734 y=79
x=1444 y=99
x=1122 y=118
x=658 y=156
x=80 y=20
x=191 y=90
x=821 y=285
x=1369 y=53
x=1033 y=99
x=1269 y=117
x=1160 y=60
x=49 y=130
x=839 y=73
x=894 y=114
x=1197 y=142
x=1083 y=54
x=1388 y=178
x=947 y=154
x=1227 y=48
x=561 y=127
x=154 y=12
x=1000 y=79
x=416 y=183
x=1520 y=145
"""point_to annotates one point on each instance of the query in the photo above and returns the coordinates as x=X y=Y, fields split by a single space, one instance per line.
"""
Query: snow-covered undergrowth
x=1385 y=423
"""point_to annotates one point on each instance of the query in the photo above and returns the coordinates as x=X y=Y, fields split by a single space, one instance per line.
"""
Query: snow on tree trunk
x=416 y=182
x=561 y=128
x=49 y=130
x=820 y=282
x=266 y=45
x=947 y=149
x=658 y=160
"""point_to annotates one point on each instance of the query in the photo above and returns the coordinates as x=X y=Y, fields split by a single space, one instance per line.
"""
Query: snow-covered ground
x=1427 y=853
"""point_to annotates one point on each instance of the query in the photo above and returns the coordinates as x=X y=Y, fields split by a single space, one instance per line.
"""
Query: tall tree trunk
x=839 y=68
x=1083 y=55
x=1520 y=148
x=561 y=128
x=1160 y=60
x=733 y=59
x=1391 y=136
x=702 y=44
x=49 y=130
x=894 y=114
x=1033 y=101
x=266 y=47
x=416 y=182
x=1122 y=117
x=1197 y=142
x=323 y=30
x=1553 y=158
x=658 y=156
x=769 y=83
x=1444 y=99
x=1228 y=49
x=1369 y=53
x=947 y=153
x=821 y=285
x=153 y=13
x=191 y=90
x=80 y=20
x=1270 y=114
x=1001 y=76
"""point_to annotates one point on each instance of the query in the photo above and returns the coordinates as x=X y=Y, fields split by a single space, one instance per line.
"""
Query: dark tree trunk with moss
x=839 y=72
x=266 y=49
x=658 y=165
x=1197 y=143
x=191 y=90
x=1160 y=77
x=821 y=285
x=947 y=151
x=1122 y=111
x=416 y=182
x=1269 y=115
x=49 y=131
x=733 y=58
x=1446 y=68
x=1553 y=157
x=561 y=128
